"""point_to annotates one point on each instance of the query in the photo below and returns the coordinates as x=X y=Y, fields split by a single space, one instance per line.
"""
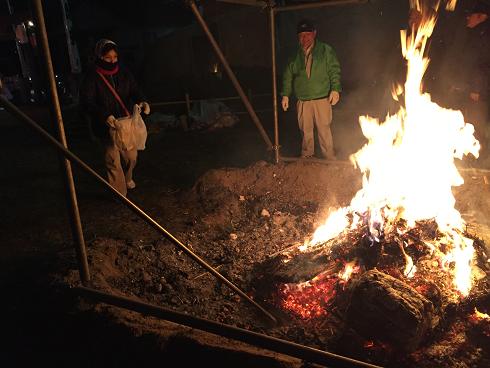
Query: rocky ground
x=216 y=191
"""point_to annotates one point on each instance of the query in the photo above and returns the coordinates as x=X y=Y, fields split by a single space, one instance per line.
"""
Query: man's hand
x=474 y=96
x=111 y=121
x=285 y=103
x=333 y=98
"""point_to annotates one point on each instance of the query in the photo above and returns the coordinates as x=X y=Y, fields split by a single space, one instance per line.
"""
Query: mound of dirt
x=233 y=219
x=291 y=188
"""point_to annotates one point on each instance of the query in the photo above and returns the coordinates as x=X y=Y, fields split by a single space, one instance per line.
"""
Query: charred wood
x=383 y=308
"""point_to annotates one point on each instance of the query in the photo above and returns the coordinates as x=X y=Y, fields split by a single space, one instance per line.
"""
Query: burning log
x=303 y=267
x=287 y=269
x=385 y=309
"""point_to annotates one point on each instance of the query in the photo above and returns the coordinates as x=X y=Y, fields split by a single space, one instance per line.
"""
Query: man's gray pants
x=317 y=113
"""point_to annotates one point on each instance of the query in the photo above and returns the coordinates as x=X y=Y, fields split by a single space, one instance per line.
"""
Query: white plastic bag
x=139 y=129
x=122 y=135
x=130 y=132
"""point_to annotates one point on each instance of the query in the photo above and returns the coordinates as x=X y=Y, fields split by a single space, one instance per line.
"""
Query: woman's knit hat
x=103 y=46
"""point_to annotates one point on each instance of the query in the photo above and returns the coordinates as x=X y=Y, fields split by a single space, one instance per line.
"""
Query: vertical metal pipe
x=230 y=73
x=272 y=20
x=76 y=224
x=10 y=8
x=188 y=103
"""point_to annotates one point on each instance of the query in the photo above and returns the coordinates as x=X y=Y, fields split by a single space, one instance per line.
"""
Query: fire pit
x=393 y=275
x=250 y=245
x=396 y=267
x=353 y=285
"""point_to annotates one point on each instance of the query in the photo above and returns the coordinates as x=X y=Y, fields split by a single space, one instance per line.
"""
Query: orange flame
x=348 y=270
x=408 y=164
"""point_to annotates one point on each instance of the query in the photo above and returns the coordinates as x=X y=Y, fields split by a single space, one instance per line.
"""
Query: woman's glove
x=144 y=107
x=111 y=121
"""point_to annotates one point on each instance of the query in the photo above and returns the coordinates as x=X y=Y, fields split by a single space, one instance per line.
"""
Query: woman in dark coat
x=103 y=108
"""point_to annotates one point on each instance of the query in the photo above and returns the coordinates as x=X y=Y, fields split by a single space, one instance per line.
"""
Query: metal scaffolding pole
x=272 y=21
x=75 y=221
x=230 y=73
x=315 y=160
x=250 y=337
x=133 y=207
x=318 y=4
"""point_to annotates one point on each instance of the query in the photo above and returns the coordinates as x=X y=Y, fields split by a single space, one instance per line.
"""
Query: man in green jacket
x=313 y=74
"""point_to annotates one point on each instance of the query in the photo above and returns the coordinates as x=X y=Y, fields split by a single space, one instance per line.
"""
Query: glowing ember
x=408 y=167
x=481 y=321
x=308 y=300
x=369 y=344
x=480 y=316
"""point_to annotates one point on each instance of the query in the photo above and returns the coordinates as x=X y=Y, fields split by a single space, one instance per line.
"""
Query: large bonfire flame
x=408 y=167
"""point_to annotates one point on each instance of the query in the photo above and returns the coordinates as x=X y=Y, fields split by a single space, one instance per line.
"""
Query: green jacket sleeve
x=287 y=80
x=333 y=70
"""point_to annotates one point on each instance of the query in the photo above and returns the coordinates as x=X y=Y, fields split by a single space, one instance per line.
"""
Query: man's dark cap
x=482 y=7
x=305 y=26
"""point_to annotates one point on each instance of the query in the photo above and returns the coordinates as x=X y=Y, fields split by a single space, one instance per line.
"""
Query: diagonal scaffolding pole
x=250 y=337
x=73 y=158
x=75 y=221
x=230 y=73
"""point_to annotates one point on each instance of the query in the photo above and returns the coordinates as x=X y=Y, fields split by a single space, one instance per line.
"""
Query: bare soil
x=218 y=193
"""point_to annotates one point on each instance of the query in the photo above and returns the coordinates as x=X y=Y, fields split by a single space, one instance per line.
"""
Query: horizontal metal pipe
x=315 y=160
x=259 y=4
x=178 y=102
x=317 y=5
x=253 y=338
x=346 y=162
x=257 y=111
x=73 y=158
